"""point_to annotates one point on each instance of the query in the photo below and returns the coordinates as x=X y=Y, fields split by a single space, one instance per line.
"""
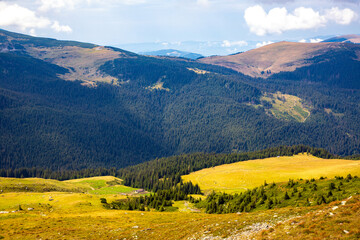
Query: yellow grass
x=158 y=86
x=81 y=216
x=238 y=177
x=78 y=216
x=38 y=185
x=198 y=71
x=69 y=220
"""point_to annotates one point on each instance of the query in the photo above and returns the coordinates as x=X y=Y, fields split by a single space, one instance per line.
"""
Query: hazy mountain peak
x=173 y=53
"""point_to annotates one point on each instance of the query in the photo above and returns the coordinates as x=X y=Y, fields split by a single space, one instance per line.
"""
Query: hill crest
x=277 y=57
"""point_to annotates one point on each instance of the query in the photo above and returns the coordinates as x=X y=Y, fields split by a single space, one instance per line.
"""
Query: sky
x=231 y=25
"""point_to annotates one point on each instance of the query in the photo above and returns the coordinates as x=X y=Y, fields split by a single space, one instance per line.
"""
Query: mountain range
x=173 y=53
x=72 y=105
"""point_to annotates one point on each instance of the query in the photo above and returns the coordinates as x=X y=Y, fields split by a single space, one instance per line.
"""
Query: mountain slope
x=289 y=57
x=74 y=105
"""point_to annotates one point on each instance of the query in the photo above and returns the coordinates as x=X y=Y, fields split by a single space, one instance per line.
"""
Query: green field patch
x=96 y=182
x=285 y=106
x=113 y=190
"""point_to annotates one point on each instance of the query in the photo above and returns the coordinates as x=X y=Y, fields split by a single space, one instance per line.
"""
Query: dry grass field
x=37 y=214
x=272 y=58
x=70 y=218
x=82 y=63
x=238 y=177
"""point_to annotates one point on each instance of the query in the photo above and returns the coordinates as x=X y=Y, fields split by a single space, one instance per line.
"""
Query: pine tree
x=286 y=197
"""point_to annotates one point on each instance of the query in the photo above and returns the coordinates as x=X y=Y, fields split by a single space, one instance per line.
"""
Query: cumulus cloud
x=344 y=17
x=60 y=28
x=13 y=15
x=279 y=20
x=302 y=41
x=227 y=43
x=316 y=40
x=261 y=44
x=23 y=18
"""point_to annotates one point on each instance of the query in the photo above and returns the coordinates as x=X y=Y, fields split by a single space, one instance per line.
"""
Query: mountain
x=291 y=57
x=173 y=53
x=71 y=105
x=352 y=38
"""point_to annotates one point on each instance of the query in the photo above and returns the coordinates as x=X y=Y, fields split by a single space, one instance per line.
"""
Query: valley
x=98 y=142
x=143 y=107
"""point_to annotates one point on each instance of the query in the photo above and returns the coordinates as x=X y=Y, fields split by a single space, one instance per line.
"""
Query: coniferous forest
x=64 y=125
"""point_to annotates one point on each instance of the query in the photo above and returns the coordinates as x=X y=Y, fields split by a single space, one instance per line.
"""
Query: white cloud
x=32 y=32
x=13 y=15
x=227 y=43
x=278 y=20
x=302 y=41
x=316 y=40
x=20 y=17
x=60 y=28
x=261 y=44
x=344 y=17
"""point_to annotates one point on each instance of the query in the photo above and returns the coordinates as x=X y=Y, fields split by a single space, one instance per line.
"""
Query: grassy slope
x=275 y=58
x=287 y=107
x=38 y=185
x=81 y=216
x=95 y=185
x=238 y=177
x=93 y=222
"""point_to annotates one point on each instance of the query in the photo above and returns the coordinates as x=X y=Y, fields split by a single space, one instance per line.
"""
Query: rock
x=334 y=208
x=331 y=214
x=345 y=231
x=4 y=212
x=135 y=227
x=238 y=213
x=30 y=209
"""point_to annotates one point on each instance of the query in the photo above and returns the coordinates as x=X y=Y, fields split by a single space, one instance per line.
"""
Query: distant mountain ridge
x=297 y=61
x=352 y=38
x=173 y=53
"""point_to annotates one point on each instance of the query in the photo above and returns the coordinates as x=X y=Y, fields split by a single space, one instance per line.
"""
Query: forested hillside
x=152 y=107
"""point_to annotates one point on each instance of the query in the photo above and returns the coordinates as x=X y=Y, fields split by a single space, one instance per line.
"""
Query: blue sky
x=232 y=24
